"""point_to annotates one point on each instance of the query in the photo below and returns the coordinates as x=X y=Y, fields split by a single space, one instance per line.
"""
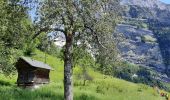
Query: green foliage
x=145 y=76
x=106 y=58
x=136 y=74
x=8 y=57
x=81 y=22
x=15 y=26
x=140 y=23
x=84 y=60
x=148 y=38
x=54 y=50
x=83 y=57
x=16 y=31
x=125 y=70
x=50 y=48
x=143 y=25
x=4 y=83
x=43 y=42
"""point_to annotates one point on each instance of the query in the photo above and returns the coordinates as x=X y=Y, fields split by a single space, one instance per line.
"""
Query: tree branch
x=59 y=30
x=46 y=29
x=87 y=27
x=95 y=36
x=40 y=31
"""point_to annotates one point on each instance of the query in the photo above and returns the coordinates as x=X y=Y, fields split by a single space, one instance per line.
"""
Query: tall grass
x=100 y=88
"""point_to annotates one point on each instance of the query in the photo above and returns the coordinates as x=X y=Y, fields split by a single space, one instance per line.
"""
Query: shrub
x=5 y=83
x=100 y=90
x=148 y=38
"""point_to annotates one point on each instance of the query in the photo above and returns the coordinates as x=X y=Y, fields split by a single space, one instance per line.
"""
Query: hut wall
x=25 y=72
x=41 y=76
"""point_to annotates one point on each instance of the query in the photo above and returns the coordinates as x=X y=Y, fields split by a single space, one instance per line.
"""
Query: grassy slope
x=99 y=89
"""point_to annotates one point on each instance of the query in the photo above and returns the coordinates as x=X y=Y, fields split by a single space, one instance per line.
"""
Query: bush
x=4 y=83
x=8 y=57
x=125 y=70
x=148 y=38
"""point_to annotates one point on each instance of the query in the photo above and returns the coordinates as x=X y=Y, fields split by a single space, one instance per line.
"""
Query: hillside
x=100 y=88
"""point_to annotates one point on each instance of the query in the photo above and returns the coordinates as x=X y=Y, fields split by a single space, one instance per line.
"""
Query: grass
x=101 y=88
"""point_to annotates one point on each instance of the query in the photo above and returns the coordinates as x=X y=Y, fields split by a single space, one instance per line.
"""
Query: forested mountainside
x=146 y=32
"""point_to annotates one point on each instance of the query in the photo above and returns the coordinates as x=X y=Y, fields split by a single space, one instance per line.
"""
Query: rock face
x=151 y=9
x=146 y=3
x=140 y=47
x=145 y=46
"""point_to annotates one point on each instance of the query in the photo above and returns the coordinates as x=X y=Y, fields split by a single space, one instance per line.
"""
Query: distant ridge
x=147 y=3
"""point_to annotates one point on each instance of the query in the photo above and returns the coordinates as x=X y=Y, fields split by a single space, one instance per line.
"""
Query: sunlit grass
x=100 y=88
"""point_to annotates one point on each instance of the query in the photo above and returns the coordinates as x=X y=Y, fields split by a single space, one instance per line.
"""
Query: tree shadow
x=5 y=83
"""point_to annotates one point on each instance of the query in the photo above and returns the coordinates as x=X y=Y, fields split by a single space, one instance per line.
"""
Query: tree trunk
x=68 y=92
x=84 y=82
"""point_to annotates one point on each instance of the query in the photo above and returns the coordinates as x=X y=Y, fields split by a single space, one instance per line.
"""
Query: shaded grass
x=4 y=83
x=101 y=88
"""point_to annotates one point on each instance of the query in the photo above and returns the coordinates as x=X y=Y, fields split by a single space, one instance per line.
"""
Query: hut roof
x=35 y=63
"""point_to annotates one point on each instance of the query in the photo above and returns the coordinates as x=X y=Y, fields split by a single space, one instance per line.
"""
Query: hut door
x=26 y=77
x=31 y=76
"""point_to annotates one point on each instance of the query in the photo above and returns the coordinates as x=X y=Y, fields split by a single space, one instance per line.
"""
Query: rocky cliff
x=153 y=4
x=140 y=47
x=144 y=21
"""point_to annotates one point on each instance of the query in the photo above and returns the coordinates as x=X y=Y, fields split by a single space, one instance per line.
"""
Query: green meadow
x=100 y=88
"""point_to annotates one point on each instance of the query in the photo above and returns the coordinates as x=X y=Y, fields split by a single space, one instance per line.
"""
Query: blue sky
x=166 y=1
x=33 y=11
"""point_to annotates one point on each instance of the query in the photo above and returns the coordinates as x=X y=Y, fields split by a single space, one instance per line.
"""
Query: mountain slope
x=140 y=47
x=146 y=20
x=153 y=9
x=146 y=3
x=100 y=88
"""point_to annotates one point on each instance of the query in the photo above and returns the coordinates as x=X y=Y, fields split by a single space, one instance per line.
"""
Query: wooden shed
x=32 y=72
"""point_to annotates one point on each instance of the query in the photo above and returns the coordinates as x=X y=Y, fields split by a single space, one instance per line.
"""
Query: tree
x=106 y=58
x=15 y=32
x=83 y=58
x=88 y=21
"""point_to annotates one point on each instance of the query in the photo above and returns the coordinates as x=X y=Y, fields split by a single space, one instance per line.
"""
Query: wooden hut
x=32 y=73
